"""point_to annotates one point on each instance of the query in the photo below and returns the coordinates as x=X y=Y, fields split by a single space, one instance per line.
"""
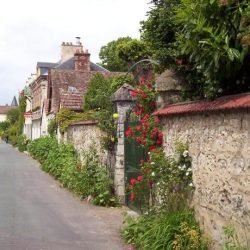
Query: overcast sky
x=32 y=31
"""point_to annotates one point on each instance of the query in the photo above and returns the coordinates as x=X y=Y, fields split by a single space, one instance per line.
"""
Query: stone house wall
x=219 y=144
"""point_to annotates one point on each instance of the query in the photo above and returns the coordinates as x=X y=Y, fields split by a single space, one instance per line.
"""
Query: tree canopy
x=120 y=54
x=206 y=40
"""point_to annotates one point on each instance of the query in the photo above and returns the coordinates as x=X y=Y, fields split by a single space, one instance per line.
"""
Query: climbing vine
x=159 y=175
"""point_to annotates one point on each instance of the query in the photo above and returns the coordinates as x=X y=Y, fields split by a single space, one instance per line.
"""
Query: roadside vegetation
x=86 y=178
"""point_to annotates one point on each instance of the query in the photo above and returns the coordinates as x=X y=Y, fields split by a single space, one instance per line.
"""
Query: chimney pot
x=78 y=40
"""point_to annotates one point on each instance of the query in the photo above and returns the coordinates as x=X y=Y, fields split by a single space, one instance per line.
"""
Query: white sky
x=32 y=31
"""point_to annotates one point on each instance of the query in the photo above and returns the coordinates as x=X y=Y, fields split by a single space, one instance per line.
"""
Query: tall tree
x=158 y=31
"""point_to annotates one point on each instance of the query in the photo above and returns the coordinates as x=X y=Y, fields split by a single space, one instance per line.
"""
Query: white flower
x=187 y=173
x=153 y=174
x=189 y=169
x=148 y=153
x=185 y=153
x=182 y=167
x=191 y=184
x=153 y=163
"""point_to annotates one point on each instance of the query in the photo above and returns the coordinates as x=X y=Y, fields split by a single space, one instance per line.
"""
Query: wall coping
x=232 y=102
x=79 y=123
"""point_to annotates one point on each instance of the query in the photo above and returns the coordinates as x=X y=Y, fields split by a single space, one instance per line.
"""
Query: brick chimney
x=82 y=61
x=68 y=49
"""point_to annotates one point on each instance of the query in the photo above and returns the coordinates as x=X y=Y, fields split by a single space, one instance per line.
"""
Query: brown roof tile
x=5 y=109
x=73 y=101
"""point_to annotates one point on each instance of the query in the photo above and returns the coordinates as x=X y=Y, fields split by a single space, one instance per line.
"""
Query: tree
x=158 y=31
x=215 y=37
x=100 y=90
x=13 y=115
x=22 y=108
x=109 y=55
x=120 y=54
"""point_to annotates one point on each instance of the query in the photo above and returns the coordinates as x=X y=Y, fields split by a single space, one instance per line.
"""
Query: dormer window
x=72 y=89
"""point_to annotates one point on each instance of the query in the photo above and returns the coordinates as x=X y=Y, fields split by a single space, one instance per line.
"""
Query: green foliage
x=88 y=178
x=119 y=54
x=232 y=242
x=52 y=127
x=65 y=117
x=36 y=108
x=168 y=180
x=98 y=98
x=206 y=41
x=158 y=31
x=3 y=128
x=60 y=157
x=98 y=93
x=22 y=143
x=109 y=55
x=214 y=37
x=22 y=107
x=100 y=89
x=40 y=148
x=13 y=127
x=133 y=51
x=13 y=115
x=12 y=134
x=164 y=230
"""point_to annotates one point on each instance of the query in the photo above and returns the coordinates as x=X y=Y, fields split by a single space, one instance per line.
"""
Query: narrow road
x=36 y=214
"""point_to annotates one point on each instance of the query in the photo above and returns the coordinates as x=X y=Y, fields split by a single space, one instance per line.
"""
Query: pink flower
x=140 y=178
x=132 y=196
x=157 y=120
x=128 y=131
x=160 y=135
x=133 y=181
x=138 y=128
x=159 y=141
x=134 y=93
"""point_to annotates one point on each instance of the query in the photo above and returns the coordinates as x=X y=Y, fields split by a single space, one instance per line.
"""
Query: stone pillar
x=123 y=101
x=168 y=86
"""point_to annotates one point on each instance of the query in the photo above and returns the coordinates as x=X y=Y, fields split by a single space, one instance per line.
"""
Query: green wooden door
x=134 y=152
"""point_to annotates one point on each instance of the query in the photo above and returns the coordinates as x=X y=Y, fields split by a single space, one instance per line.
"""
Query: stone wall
x=219 y=143
x=83 y=134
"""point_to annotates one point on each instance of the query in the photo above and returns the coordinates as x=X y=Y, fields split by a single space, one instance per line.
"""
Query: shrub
x=163 y=230
x=22 y=143
x=40 y=148
x=52 y=127
x=62 y=162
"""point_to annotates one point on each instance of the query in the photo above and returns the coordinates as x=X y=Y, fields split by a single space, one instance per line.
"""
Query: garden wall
x=218 y=135
x=83 y=134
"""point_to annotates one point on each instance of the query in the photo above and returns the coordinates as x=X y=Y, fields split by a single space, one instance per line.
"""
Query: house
x=4 y=109
x=58 y=85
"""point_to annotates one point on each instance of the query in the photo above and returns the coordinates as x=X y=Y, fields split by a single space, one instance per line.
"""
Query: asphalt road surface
x=36 y=214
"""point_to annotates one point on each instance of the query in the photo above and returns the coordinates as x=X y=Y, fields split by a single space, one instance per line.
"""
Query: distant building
x=4 y=109
x=57 y=85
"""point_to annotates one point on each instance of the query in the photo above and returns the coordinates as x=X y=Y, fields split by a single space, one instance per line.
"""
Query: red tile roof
x=72 y=101
x=61 y=80
x=223 y=103
x=5 y=109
